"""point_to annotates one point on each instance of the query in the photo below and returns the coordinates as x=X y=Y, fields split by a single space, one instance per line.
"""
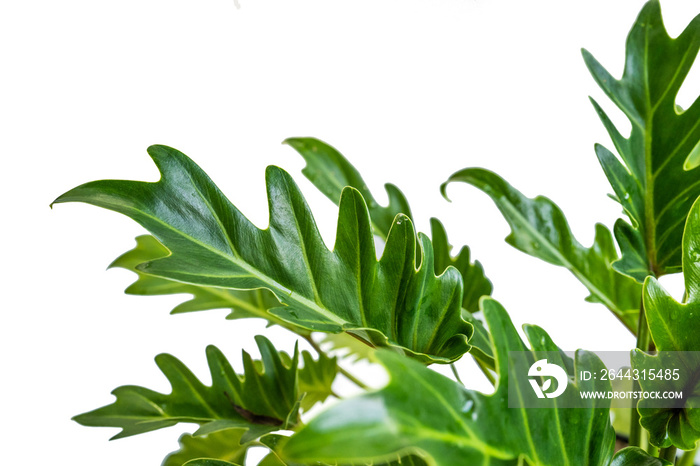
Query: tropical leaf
x=208 y=462
x=222 y=445
x=674 y=328
x=423 y=412
x=331 y=172
x=316 y=378
x=634 y=456
x=243 y=303
x=388 y=302
x=656 y=178
x=264 y=399
x=539 y=228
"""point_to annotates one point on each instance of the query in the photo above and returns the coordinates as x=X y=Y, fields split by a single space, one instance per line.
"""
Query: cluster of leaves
x=417 y=304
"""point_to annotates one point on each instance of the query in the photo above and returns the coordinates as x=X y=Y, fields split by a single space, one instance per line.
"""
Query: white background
x=410 y=91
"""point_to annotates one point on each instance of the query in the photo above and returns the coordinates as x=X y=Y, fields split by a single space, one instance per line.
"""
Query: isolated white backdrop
x=410 y=91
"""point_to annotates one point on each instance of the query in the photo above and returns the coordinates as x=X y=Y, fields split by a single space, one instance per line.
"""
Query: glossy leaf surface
x=243 y=303
x=656 y=179
x=265 y=398
x=540 y=229
x=634 y=456
x=674 y=326
x=426 y=413
x=331 y=172
x=386 y=303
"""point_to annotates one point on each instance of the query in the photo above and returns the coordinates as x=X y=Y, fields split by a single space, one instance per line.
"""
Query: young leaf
x=222 y=445
x=243 y=303
x=634 y=456
x=264 y=399
x=331 y=172
x=540 y=229
x=386 y=303
x=674 y=326
x=657 y=179
x=423 y=412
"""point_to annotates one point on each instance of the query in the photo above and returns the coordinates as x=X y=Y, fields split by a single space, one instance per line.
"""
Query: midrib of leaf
x=545 y=243
x=523 y=416
x=471 y=438
x=251 y=270
x=649 y=217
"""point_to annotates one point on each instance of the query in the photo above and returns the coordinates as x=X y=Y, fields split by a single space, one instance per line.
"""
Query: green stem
x=456 y=374
x=688 y=458
x=486 y=371
x=643 y=344
x=345 y=373
x=668 y=454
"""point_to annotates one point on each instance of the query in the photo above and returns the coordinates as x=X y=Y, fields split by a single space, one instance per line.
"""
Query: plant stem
x=688 y=458
x=643 y=344
x=456 y=374
x=347 y=374
x=486 y=371
x=668 y=454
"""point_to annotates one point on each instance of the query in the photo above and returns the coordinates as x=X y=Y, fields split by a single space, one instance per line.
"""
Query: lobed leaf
x=265 y=398
x=674 y=327
x=656 y=178
x=243 y=303
x=331 y=172
x=385 y=302
x=424 y=413
x=540 y=229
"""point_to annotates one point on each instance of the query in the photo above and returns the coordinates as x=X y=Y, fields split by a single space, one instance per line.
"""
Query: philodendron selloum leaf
x=657 y=179
x=539 y=228
x=635 y=456
x=674 y=327
x=265 y=398
x=243 y=303
x=423 y=412
x=386 y=302
x=331 y=172
x=275 y=442
x=223 y=445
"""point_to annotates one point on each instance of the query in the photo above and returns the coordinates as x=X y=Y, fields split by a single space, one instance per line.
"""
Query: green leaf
x=243 y=303
x=674 y=327
x=316 y=378
x=276 y=442
x=634 y=456
x=331 y=172
x=539 y=228
x=386 y=303
x=423 y=412
x=656 y=180
x=208 y=462
x=264 y=399
x=222 y=445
